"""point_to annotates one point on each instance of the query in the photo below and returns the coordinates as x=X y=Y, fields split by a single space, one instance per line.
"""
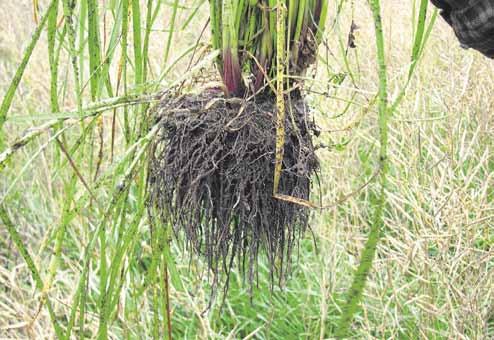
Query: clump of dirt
x=211 y=175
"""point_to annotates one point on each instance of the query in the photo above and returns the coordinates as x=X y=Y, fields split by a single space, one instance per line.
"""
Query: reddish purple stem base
x=232 y=75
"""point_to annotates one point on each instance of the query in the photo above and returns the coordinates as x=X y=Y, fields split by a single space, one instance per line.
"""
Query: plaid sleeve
x=473 y=23
x=448 y=5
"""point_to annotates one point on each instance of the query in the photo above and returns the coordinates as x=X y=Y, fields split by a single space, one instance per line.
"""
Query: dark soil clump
x=211 y=176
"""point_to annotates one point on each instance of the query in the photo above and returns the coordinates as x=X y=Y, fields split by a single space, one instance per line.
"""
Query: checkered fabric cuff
x=472 y=21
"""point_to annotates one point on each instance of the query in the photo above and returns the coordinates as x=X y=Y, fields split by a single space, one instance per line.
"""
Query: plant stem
x=94 y=47
x=280 y=98
x=232 y=73
x=368 y=254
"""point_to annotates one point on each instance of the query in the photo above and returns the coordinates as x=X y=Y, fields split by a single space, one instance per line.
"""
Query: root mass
x=211 y=176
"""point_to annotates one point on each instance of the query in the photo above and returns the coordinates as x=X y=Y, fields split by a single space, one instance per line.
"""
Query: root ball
x=211 y=176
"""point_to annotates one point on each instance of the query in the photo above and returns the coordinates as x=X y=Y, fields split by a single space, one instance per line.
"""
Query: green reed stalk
x=422 y=34
x=292 y=16
x=215 y=17
x=301 y=17
x=122 y=76
x=136 y=27
x=53 y=58
x=385 y=111
x=81 y=28
x=94 y=47
x=368 y=254
x=280 y=95
x=322 y=20
x=68 y=10
x=171 y=31
x=147 y=34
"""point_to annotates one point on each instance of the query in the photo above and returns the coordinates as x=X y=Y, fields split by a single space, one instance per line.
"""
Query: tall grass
x=103 y=269
x=9 y=96
x=108 y=48
x=384 y=113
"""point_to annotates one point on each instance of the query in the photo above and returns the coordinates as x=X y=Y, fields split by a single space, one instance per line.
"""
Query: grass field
x=433 y=277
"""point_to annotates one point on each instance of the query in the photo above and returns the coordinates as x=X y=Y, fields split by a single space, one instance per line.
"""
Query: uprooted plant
x=222 y=155
x=225 y=163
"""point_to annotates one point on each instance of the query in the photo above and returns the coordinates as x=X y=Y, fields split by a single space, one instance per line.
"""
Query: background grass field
x=434 y=273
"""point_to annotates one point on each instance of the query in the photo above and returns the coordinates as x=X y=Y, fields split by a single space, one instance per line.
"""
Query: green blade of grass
x=67 y=214
x=118 y=195
x=16 y=238
x=302 y=10
x=421 y=36
x=136 y=26
x=92 y=110
x=52 y=57
x=147 y=34
x=105 y=79
x=9 y=96
x=322 y=21
x=83 y=12
x=171 y=31
x=68 y=10
x=94 y=47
